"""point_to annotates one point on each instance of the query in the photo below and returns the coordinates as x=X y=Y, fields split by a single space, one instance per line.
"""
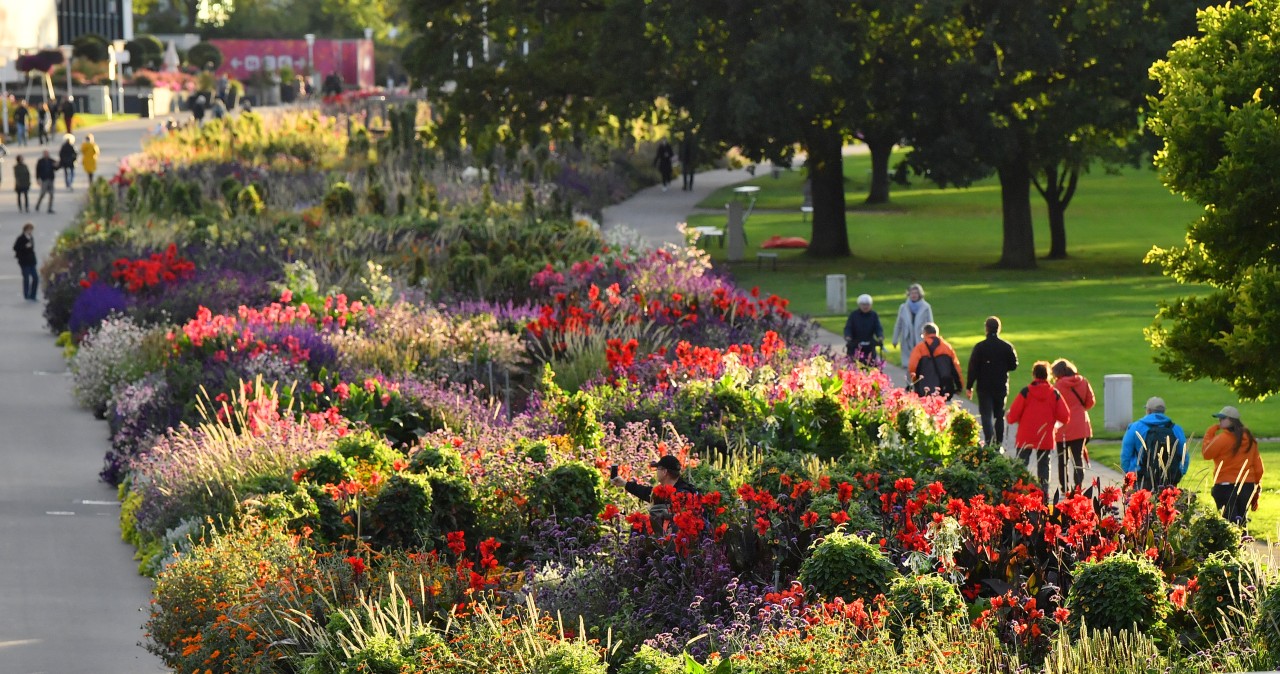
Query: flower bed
x=366 y=438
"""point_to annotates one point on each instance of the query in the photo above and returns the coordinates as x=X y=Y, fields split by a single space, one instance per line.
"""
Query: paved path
x=71 y=599
x=654 y=214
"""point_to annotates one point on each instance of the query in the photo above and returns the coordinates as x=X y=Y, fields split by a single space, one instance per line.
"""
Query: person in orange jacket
x=1237 y=465
x=934 y=368
x=1037 y=410
x=1072 y=435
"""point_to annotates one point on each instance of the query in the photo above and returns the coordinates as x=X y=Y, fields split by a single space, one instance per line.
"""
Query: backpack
x=944 y=379
x=1162 y=455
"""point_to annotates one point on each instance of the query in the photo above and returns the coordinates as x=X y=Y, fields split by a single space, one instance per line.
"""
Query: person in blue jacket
x=1155 y=449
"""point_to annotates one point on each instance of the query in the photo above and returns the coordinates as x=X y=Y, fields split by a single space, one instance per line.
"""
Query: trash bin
x=146 y=106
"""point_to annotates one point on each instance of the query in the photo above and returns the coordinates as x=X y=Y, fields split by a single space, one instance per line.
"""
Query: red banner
x=352 y=59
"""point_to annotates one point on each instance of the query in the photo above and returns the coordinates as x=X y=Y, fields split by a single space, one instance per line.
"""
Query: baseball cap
x=669 y=462
x=864 y=299
x=1229 y=412
x=1155 y=404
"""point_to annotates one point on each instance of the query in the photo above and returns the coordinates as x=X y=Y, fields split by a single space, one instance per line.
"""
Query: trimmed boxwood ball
x=369 y=448
x=649 y=660
x=571 y=657
x=916 y=599
x=446 y=459
x=402 y=516
x=843 y=565
x=569 y=490
x=1209 y=533
x=1118 y=593
x=1227 y=590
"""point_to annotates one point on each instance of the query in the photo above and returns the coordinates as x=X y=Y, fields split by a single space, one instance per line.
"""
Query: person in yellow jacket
x=1237 y=466
x=89 y=156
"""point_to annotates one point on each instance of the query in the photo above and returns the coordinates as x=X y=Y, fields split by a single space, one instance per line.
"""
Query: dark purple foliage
x=94 y=304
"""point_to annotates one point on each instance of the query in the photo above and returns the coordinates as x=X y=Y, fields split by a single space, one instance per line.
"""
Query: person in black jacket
x=989 y=366
x=688 y=160
x=863 y=332
x=667 y=474
x=25 y=250
x=46 y=171
x=67 y=157
x=663 y=160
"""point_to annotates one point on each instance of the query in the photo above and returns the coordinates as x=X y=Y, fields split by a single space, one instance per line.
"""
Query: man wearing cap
x=989 y=366
x=667 y=473
x=1155 y=448
x=863 y=332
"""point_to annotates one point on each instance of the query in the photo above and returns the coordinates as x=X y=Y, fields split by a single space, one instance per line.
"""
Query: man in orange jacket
x=934 y=368
x=1038 y=409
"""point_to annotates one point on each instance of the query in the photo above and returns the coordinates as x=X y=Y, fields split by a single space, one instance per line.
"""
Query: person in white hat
x=863 y=333
x=1155 y=449
x=1237 y=465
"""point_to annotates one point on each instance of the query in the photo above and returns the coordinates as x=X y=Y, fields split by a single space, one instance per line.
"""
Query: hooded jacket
x=1036 y=410
x=1078 y=394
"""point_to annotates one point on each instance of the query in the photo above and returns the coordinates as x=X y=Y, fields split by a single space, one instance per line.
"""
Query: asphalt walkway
x=654 y=214
x=71 y=599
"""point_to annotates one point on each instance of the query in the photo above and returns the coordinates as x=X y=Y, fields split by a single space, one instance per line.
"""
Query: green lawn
x=1265 y=523
x=1091 y=308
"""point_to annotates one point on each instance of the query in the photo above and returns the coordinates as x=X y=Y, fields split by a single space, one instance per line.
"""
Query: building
x=112 y=19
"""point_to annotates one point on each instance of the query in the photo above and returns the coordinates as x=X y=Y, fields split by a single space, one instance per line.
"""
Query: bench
x=708 y=232
x=772 y=257
x=805 y=212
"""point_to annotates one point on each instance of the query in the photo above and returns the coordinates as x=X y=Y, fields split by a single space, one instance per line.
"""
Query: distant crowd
x=1052 y=411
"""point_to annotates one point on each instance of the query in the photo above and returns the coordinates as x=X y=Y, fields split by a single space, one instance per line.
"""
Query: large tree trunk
x=830 y=235
x=1019 y=250
x=881 y=151
x=1057 y=191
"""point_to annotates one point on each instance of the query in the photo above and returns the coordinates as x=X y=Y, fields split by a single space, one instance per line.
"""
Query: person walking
x=89 y=157
x=863 y=332
x=197 y=109
x=912 y=317
x=990 y=363
x=46 y=172
x=662 y=160
x=1037 y=409
x=688 y=160
x=1237 y=465
x=68 y=112
x=1155 y=449
x=1071 y=437
x=44 y=122
x=67 y=157
x=22 y=184
x=25 y=250
x=21 y=118
x=934 y=368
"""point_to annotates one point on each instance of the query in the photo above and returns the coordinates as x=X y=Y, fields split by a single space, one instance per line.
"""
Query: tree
x=1218 y=112
x=1038 y=88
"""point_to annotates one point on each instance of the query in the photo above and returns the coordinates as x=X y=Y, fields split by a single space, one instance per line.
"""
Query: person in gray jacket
x=912 y=316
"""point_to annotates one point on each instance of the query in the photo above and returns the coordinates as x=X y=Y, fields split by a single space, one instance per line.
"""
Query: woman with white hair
x=912 y=317
x=863 y=332
x=67 y=157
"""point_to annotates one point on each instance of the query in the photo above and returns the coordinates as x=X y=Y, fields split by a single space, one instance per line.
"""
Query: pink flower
x=343 y=391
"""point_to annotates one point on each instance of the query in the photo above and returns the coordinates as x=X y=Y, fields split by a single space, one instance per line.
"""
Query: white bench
x=772 y=257
x=708 y=232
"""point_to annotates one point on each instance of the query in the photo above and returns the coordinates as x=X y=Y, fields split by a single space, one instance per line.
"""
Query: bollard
x=837 y=294
x=736 y=232
x=1118 y=401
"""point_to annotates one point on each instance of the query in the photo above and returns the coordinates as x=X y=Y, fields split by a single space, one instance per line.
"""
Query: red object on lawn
x=776 y=241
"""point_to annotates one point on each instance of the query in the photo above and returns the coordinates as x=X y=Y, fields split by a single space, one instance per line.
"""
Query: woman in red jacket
x=1037 y=410
x=1072 y=435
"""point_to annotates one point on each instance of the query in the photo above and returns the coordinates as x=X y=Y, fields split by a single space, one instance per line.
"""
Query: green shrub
x=366 y=447
x=329 y=468
x=446 y=459
x=843 y=565
x=1209 y=532
x=340 y=199
x=204 y=55
x=1268 y=623
x=249 y=202
x=649 y=660
x=964 y=429
x=379 y=655
x=453 y=502
x=401 y=515
x=1121 y=592
x=581 y=421
x=571 y=657
x=768 y=474
x=1226 y=593
x=914 y=600
x=569 y=490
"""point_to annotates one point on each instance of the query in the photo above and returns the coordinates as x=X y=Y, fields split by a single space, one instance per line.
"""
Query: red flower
x=317 y=387
x=663 y=492
x=1178 y=597
x=457 y=542
x=719 y=532
x=905 y=485
x=357 y=566
x=610 y=511
x=844 y=492
x=299 y=475
x=809 y=519
x=762 y=525
x=640 y=523
x=1061 y=615
x=840 y=517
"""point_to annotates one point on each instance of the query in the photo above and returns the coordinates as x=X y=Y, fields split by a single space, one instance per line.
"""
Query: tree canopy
x=1218 y=113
